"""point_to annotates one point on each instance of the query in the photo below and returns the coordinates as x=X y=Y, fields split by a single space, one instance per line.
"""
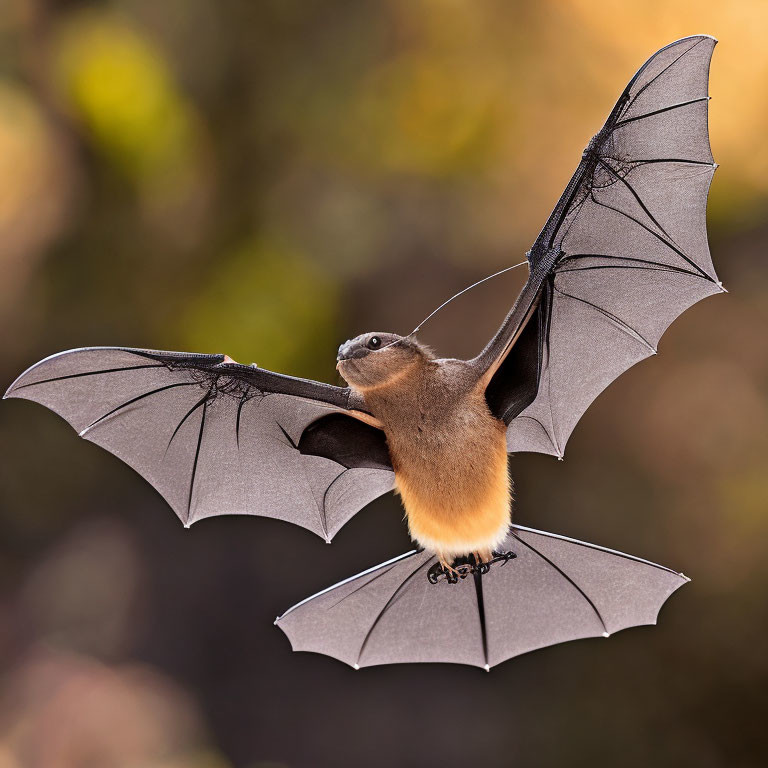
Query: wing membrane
x=219 y=438
x=623 y=254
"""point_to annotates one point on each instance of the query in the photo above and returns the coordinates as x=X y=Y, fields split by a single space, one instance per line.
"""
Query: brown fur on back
x=449 y=455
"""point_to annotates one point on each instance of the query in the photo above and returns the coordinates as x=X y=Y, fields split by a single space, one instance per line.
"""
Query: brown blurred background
x=266 y=178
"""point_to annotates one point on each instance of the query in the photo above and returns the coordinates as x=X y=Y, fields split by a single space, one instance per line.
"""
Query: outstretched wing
x=216 y=437
x=622 y=255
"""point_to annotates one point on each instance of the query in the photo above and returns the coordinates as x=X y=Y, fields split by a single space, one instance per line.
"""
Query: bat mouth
x=347 y=365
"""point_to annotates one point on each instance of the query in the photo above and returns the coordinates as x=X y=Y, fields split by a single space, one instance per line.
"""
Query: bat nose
x=348 y=350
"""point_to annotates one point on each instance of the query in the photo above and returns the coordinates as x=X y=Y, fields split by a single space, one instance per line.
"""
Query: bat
x=623 y=253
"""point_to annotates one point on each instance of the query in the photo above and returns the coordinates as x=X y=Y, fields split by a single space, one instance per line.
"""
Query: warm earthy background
x=266 y=178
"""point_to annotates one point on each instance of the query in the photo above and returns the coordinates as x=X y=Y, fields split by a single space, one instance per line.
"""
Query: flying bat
x=623 y=253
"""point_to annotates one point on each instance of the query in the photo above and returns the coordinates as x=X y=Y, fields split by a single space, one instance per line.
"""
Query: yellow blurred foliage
x=119 y=86
x=513 y=93
x=739 y=75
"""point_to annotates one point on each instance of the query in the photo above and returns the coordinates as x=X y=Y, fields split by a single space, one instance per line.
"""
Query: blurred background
x=267 y=178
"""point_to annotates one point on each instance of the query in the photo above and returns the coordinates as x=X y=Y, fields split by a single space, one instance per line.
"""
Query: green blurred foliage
x=122 y=90
x=270 y=301
x=118 y=86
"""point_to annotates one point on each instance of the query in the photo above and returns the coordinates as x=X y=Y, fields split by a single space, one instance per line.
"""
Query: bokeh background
x=266 y=178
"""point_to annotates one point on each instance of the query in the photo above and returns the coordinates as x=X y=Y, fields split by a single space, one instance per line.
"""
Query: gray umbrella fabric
x=216 y=438
x=623 y=254
x=550 y=590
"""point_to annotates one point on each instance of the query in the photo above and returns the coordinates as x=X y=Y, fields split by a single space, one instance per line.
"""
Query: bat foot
x=482 y=556
x=445 y=568
x=461 y=567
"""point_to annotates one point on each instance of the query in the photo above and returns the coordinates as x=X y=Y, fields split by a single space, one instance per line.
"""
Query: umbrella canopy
x=539 y=590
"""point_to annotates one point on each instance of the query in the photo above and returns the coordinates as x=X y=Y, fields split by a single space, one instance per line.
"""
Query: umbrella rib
x=566 y=577
x=197 y=456
x=386 y=605
x=599 y=548
x=613 y=257
x=481 y=614
x=683 y=160
x=660 y=111
x=88 y=373
x=186 y=416
x=669 y=245
x=659 y=74
x=628 y=329
x=671 y=270
x=637 y=197
x=135 y=400
x=326 y=492
x=360 y=575
x=287 y=436
x=240 y=405
x=361 y=586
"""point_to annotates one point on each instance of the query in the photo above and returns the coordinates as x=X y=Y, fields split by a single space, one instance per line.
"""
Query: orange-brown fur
x=448 y=451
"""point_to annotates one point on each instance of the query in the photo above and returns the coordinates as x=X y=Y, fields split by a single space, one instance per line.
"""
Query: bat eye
x=374 y=342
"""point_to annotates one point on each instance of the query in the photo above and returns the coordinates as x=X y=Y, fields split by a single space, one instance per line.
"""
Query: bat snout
x=349 y=351
x=343 y=352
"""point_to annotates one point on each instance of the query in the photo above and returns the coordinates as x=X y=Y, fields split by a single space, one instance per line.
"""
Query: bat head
x=374 y=360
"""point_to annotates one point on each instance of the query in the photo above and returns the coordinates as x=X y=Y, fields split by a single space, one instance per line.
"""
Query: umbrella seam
x=197 y=456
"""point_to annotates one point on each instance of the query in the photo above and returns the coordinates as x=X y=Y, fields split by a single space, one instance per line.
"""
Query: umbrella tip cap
x=487 y=667
x=606 y=634
x=356 y=666
x=327 y=541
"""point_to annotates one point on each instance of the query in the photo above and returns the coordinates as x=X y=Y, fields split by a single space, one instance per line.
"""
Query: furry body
x=448 y=452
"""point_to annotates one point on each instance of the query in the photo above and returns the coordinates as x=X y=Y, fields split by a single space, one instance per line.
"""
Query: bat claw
x=462 y=567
